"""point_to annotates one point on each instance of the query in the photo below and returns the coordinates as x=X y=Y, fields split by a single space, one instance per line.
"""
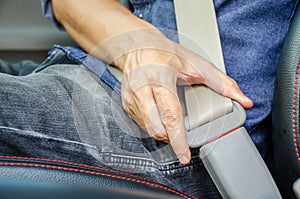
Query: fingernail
x=184 y=159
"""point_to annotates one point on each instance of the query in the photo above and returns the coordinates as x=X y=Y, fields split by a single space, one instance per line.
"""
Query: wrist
x=134 y=47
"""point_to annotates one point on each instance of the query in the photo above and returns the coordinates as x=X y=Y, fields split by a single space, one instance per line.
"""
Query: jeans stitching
x=116 y=159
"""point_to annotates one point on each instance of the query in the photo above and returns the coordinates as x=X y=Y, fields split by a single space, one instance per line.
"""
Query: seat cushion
x=37 y=178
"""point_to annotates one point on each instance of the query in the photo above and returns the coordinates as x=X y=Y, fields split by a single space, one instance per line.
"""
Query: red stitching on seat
x=294 y=122
x=134 y=178
x=95 y=173
x=77 y=164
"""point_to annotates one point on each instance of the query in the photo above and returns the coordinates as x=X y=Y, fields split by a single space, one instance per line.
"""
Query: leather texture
x=286 y=137
x=42 y=178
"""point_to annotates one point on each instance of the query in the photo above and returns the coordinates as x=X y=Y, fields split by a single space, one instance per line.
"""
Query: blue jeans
x=62 y=111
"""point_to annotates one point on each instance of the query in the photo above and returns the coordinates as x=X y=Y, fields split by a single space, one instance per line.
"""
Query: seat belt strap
x=229 y=156
x=201 y=36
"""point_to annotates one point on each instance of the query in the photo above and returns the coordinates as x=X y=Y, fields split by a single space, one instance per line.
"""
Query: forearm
x=91 y=22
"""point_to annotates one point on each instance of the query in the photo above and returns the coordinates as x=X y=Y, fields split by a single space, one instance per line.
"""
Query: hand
x=150 y=75
x=152 y=65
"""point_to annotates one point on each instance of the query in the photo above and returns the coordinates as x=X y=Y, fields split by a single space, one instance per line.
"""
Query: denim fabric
x=95 y=65
x=252 y=33
x=48 y=13
x=21 y=68
x=63 y=111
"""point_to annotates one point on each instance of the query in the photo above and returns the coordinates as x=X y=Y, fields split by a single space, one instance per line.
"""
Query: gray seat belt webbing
x=201 y=36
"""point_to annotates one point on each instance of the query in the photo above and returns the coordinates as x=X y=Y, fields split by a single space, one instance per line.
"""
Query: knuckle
x=138 y=94
x=158 y=133
x=233 y=83
x=231 y=90
x=171 y=117
x=159 y=136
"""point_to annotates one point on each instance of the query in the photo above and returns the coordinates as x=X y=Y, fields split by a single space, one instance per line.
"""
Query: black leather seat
x=286 y=137
x=22 y=177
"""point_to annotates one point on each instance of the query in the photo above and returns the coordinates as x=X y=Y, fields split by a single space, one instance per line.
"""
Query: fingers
x=200 y=71
x=149 y=113
x=233 y=91
x=227 y=87
x=171 y=117
x=156 y=108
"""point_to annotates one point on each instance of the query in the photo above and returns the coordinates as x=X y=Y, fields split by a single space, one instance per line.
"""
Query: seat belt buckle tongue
x=216 y=128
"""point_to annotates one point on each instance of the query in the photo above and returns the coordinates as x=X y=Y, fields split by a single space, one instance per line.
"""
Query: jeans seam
x=115 y=159
x=112 y=158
